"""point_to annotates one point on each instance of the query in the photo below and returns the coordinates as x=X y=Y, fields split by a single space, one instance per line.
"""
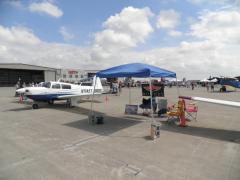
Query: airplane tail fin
x=98 y=83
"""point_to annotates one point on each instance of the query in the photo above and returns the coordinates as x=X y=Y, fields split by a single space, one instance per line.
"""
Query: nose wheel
x=35 y=106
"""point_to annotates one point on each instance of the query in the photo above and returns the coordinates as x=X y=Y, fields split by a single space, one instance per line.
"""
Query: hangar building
x=10 y=73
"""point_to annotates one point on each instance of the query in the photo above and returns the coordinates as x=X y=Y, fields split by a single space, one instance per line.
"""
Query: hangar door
x=9 y=77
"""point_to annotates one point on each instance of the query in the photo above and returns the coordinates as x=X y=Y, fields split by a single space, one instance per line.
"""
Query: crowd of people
x=21 y=84
x=209 y=86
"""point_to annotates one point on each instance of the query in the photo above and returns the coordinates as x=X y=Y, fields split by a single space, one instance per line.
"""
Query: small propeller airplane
x=52 y=91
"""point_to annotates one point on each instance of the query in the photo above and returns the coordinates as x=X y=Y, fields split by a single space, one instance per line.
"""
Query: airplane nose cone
x=19 y=90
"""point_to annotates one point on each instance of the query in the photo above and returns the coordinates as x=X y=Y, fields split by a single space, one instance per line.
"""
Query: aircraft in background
x=52 y=91
x=226 y=81
x=234 y=82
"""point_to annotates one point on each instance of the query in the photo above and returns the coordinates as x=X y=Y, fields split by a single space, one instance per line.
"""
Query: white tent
x=205 y=80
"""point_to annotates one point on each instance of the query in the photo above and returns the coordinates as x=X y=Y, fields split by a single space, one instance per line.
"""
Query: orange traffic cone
x=20 y=98
x=183 y=119
x=106 y=99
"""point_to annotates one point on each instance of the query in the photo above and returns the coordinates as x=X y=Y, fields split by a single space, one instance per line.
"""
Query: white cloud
x=124 y=30
x=18 y=35
x=209 y=55
x=15 y=46
x=47 y=8
x=168 y=19
x=14 y=3
x=220 y=26
x=174 y=33
x=66 y=34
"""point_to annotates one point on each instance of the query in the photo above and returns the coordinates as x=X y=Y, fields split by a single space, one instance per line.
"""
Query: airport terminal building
x=75 y=75
x=10 y=73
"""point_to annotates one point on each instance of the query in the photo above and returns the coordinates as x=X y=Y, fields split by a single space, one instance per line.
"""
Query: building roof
x=25 y=66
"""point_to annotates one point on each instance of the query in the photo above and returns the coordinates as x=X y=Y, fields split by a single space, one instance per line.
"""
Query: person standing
x=207 y=85
x=120 y=86
x=212 y=87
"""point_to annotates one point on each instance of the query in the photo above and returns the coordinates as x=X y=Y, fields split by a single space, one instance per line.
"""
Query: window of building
x=70 y=76
x=64 y=75
x=66 y=86
x=76 y=76
x=56 y=86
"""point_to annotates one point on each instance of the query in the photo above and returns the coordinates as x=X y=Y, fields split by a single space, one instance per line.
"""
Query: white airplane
x=52 y=91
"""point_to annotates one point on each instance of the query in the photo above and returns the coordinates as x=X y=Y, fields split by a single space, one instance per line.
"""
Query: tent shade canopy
x=135 y=70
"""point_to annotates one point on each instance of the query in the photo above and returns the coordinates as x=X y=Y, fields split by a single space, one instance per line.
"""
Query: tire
x=35 y=106
x=68 y=103
x=51 y=102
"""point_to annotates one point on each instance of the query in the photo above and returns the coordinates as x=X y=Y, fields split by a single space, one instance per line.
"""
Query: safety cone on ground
x=183 y=119
x=106 y=99
x=20 y=98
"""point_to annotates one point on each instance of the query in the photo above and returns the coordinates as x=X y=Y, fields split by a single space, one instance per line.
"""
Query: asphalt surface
x=57 y=143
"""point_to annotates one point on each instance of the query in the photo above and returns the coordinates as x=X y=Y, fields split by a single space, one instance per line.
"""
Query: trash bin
x=155 y=131
x=100 y=120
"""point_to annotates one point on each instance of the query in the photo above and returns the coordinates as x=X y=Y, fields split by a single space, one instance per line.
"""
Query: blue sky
x=182 y=35
x=84 y=18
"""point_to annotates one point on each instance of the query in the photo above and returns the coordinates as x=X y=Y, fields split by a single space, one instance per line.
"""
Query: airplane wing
x=215 y=101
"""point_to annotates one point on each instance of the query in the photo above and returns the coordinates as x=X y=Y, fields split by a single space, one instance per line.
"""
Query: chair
x=146 y=106
x=191 y=110
x=175 y=112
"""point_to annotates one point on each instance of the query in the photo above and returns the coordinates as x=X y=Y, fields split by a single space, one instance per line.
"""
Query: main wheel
x=68 y=103
x=35 y=106
x=51 y=102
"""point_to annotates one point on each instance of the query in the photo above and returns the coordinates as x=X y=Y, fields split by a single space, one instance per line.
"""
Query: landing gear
x=35 y=106
x=51 y=102
x=69 y=103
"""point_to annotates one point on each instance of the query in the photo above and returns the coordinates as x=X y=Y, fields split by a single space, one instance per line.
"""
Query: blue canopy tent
x=139 y=70
x=135 y=70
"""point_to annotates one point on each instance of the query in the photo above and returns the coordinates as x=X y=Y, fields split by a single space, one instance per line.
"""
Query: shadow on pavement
x=218 y=134
x=111 y=125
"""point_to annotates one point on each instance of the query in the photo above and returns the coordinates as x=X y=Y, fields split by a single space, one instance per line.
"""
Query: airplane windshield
x=46 y=85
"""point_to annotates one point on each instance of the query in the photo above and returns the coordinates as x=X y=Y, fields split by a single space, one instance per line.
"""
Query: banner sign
x=157 y=90
x=131 y=109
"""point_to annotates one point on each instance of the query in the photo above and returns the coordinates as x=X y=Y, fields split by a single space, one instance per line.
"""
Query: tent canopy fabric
x=135 y=70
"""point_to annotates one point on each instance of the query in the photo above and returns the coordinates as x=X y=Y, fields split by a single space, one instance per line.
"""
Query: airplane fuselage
x=49 y=94
x=51 y=91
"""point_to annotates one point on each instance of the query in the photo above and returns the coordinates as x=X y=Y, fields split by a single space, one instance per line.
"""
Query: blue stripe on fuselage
x=45 y=97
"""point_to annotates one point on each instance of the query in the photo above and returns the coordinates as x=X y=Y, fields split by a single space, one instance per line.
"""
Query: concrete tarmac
x=57 y=143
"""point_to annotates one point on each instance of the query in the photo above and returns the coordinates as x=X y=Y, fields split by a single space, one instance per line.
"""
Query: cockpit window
x=66 y=86
x=46 y=84
x=56 y=86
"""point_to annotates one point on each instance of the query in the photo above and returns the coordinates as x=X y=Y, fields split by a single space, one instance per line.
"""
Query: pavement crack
x=79 y=143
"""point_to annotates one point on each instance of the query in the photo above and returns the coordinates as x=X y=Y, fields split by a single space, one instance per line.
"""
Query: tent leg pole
x=177 y=87
x=91 y=112
x=151 y=96
x=130 y=94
